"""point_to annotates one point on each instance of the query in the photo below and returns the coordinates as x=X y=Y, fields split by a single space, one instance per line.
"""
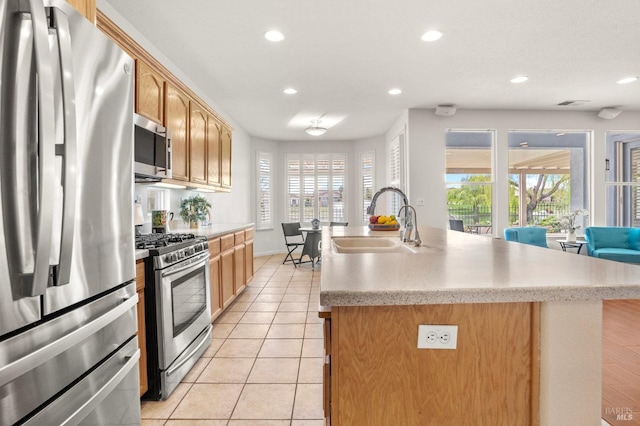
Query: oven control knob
x=180 y=255
x=168 y=257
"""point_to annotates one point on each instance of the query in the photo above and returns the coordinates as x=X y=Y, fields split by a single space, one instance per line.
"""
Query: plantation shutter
x=635 y=191
x=265 y=194
x=367 y=181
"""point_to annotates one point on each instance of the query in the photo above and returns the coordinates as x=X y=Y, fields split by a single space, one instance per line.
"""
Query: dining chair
x=456 y=225
x=532 y=235
x=293 y=239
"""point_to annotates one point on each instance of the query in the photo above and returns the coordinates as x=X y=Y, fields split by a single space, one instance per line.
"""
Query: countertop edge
x=507 y=295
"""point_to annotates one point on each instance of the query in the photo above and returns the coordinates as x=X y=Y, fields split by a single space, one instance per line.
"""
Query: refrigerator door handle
x=68 y=151
x=37 y=285
x=19 y=367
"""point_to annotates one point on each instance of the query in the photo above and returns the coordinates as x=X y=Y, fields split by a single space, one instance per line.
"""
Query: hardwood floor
x=621 y=362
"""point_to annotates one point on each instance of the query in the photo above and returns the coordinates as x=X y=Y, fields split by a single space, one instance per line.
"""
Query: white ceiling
x=344 y=55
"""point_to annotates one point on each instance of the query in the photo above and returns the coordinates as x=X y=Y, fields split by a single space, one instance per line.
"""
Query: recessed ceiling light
x=274 y=35
x=432 y=35
x=519 y=79
x=290 y=91
x=395 y=91
x=627 y=80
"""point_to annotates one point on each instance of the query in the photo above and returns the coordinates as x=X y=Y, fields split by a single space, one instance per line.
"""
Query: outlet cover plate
x=437 y=336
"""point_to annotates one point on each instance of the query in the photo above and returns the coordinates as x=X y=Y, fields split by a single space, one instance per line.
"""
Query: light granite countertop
x=457 y=267
x=210 y=231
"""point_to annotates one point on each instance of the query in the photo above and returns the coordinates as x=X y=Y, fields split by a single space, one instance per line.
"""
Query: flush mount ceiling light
x=315 y=129
x=274 y=35
x=609 y=113
x=395 y=91
x=519 y=79
x=432 y=35
x=290 y=91
x=627 y=80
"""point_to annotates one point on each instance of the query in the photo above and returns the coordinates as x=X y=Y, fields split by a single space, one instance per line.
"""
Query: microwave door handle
x=46 y=151
x=68 y=151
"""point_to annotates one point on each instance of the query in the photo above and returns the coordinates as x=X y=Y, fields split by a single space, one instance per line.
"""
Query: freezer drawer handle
x=17 y=368
x=85 y=409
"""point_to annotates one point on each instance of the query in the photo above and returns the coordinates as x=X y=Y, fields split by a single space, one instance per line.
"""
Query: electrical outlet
x=437 y=336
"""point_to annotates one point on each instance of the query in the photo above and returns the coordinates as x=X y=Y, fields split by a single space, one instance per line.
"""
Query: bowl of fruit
x=383 y=223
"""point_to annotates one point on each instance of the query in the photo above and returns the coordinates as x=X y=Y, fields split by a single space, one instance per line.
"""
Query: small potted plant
x=194 y=209
x=570 y=223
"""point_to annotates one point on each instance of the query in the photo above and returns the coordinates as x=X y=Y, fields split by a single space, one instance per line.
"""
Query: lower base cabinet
x=375 y=376
x=142 y=335
x=231 y=268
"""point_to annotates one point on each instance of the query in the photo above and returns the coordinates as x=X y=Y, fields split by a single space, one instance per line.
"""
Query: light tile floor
x=264 y=366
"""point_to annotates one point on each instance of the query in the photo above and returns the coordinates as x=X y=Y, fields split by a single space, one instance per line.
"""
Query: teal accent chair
x=614 y=243
x=532 y=235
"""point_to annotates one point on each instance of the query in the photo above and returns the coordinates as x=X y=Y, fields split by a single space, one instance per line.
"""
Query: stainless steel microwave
x=152 y=159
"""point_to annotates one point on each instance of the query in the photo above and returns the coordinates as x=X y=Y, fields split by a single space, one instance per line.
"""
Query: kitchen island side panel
x=379 y=377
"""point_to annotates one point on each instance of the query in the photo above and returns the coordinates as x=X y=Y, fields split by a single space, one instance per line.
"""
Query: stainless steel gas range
x=178 y=310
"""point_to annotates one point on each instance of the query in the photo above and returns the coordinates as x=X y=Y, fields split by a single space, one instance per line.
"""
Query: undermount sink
x=374 y=245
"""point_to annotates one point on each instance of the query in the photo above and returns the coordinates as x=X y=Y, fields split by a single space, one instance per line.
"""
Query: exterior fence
x=545 y=214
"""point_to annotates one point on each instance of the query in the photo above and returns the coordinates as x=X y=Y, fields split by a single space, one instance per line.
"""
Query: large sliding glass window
x=315 y=187
x=469 y=179
x=547 y=177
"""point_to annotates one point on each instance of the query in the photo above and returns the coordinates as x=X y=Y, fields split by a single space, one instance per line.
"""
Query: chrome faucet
x=372 y=207
x=405 y=232
x=410 y=223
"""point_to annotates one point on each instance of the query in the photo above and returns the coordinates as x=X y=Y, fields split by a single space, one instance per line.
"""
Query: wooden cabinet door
x=86 y=7
x=226 y=277
x=239 y=264
x=216 y=294
x=197 y=144
x=214 y=132
x=177 y=121
x=248 y=261
x=149 y=93
x=142 y=332
x=225 y=158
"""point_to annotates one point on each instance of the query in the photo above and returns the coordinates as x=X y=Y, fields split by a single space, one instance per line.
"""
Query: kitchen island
x=528 y=341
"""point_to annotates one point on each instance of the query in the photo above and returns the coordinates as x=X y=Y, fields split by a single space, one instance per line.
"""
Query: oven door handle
x=188 y=357
x=190 y=266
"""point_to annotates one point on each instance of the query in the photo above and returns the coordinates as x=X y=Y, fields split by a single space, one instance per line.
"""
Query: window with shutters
x=623 y=179
x=265 y=191
x=396 y=174
x=315 y=187
x=367 y=182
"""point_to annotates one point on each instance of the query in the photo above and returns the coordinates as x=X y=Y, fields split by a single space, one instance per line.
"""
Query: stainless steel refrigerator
x=68 y=346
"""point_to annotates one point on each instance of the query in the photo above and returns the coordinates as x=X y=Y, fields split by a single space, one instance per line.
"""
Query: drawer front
x=226 y=242
x=248 y=234
x=214 y=247
x=139 y=275
x=239 y=237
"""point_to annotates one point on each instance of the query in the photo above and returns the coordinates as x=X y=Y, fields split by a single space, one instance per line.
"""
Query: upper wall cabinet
x=198 y=144
x=177 y=121
x=86 y=7
x=214 y=132
x=149 y=92
x=201 y=139
x=225 y=158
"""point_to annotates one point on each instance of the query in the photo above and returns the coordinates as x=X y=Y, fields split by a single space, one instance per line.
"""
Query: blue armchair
x=614 y=243
x=531 y=235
